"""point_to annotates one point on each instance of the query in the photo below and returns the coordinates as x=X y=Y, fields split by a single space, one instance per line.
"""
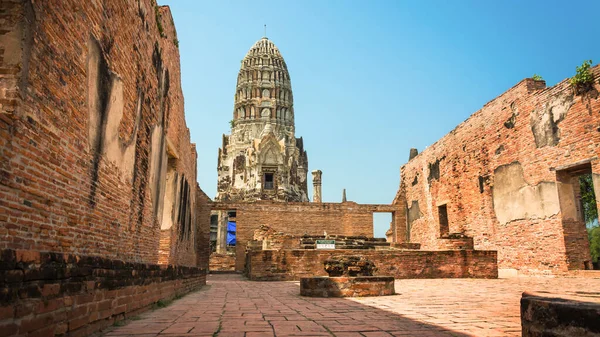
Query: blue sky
x=371 y=79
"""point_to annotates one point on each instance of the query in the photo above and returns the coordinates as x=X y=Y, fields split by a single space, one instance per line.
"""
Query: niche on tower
x=269 y=180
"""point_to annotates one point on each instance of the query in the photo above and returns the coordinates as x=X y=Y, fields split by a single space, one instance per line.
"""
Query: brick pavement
x=233 y=306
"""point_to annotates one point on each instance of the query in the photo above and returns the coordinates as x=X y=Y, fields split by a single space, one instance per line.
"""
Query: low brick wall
x=291 y=265
x=47 y=294
x=221 y=262
x=557 y=317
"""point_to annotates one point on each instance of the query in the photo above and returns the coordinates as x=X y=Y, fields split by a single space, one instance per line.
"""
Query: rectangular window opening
x=443 y=215
x=382 y=225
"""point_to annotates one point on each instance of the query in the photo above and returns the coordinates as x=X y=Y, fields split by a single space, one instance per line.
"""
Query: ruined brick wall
x=499 y=175
x=203 y=208
x=97 y=172
x=347 y=218
x=289 y=265
x=48 y=294
x=94 y=146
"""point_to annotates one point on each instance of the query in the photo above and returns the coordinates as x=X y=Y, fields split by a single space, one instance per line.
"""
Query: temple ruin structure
x=262 y=159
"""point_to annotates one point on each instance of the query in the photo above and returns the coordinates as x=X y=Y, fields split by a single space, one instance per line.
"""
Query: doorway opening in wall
x=579 y=216
x=382 y=225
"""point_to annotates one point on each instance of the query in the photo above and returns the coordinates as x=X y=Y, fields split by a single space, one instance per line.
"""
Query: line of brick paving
x=232 y=306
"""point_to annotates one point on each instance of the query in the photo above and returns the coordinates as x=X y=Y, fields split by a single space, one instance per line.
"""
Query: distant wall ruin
x=299 y=218
x=506 y=177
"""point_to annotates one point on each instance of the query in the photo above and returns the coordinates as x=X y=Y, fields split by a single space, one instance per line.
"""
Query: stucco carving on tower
x=262 y=159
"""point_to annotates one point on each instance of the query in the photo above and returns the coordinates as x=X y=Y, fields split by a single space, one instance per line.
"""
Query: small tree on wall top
x=583 y=80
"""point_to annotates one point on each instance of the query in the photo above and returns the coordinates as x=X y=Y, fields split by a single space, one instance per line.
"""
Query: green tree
x=590 y=214
x=590 y=210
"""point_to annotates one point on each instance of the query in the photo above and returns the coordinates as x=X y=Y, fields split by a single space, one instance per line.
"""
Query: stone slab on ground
x=233 y=306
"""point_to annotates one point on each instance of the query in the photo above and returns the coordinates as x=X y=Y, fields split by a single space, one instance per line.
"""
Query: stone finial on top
x=317 y=185
x=344 y=195
x=413 y=153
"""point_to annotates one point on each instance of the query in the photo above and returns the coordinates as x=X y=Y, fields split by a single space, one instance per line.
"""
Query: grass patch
x=120 y=323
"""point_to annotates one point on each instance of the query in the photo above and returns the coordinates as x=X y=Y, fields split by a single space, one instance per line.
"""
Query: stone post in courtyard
x=317 y=185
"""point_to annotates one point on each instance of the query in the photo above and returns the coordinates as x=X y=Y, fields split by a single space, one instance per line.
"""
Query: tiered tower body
x=262 y=159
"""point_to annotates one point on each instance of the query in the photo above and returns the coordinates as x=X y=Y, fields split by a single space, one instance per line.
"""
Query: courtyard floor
x=232 y=306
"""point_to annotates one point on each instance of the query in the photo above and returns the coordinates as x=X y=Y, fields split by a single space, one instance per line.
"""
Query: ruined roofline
x=531 y=88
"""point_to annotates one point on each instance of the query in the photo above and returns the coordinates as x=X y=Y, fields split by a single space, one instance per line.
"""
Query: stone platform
x=294 y=264
x=359 y=286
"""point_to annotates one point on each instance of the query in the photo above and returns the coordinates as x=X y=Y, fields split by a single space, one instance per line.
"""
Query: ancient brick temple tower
x=262 y=159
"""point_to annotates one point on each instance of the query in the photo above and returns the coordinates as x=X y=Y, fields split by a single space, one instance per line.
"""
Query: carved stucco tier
x=262 y=159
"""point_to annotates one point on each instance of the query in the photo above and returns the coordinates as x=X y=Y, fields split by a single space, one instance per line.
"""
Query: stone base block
x=359 y=286
x=560 y=317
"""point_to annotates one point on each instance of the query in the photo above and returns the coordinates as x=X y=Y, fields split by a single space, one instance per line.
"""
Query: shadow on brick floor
x=234 y=306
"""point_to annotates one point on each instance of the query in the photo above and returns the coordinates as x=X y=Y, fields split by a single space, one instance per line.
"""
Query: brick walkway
x=232 y=306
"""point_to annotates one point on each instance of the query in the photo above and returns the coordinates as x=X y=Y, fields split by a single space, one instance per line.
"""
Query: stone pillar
x=344 y=195
x=317 y=185
x=222 y=233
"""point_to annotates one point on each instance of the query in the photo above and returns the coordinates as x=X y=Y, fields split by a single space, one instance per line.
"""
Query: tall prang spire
x=262 y=158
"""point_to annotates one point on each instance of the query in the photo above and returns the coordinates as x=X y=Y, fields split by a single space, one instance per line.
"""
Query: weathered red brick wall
x=97 y=171
x=221 y=262
x=91 y=125
x=288 y=265
x=298 y=218
x=496 y=174
x=48 y=294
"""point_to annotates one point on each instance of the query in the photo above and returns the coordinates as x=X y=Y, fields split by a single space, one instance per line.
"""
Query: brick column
x=317 y=185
